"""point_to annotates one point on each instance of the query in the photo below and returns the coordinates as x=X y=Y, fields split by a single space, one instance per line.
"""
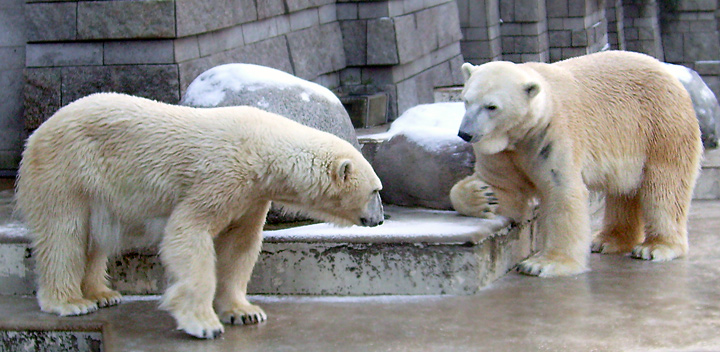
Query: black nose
x=465 y=136
x=369 y=223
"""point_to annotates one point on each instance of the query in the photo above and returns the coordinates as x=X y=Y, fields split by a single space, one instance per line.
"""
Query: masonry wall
x=682 y=32
x=55 y=51
x=12 y=63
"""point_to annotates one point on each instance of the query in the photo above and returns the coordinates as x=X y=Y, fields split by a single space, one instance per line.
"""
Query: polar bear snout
x=467 y=137
x=373 y=215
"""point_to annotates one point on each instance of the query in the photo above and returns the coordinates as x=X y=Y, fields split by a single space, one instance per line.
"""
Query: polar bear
x=613 y=122
x=111 y=171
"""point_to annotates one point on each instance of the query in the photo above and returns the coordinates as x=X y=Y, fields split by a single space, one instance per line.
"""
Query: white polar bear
x=110 y=170
x=614 y=122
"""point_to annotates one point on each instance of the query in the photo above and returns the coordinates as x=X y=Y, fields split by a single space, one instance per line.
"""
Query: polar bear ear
x=343 y=169
x=532 y=89
x=467 y=69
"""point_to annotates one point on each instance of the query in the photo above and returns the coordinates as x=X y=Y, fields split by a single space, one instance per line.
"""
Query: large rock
x=704 y=101
x=276 y=91
x=272 y=90
x=424 y=157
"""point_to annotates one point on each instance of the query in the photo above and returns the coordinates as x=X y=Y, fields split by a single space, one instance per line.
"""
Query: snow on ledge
x=413 y=225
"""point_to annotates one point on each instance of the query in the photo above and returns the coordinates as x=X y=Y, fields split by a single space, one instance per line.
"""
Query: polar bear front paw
x=472 y=197
x=201 y=324
x=78 y=306
x=542 y=266
x=243 y=315
x=657 y=252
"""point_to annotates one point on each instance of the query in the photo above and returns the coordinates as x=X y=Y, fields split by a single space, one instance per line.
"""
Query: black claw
x=232 y=320
x=216 y=333
x=244 y=319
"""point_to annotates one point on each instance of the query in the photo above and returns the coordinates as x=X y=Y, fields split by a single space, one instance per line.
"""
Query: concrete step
x=416 y=252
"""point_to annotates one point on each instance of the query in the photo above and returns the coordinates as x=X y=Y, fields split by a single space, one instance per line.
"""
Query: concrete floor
x=621 y=305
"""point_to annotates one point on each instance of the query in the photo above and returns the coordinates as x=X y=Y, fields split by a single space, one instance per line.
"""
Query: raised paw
x=657 y=252
x=243 y=315
x=78 y=306
x=544 y=267
x=472 y=197
x=201 y=324
x=105 y=298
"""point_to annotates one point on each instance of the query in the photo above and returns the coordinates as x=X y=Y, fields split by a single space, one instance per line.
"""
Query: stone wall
x=401 y=48
x=12 y=63
x=677 y=31
x=155 y=49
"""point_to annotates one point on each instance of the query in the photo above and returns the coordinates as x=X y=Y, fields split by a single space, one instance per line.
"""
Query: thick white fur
x=111 y=171
x=614 y=122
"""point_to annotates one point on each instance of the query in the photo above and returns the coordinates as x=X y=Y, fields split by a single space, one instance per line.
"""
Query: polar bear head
x=354 y=194
x=503 y=101
x=330 y=181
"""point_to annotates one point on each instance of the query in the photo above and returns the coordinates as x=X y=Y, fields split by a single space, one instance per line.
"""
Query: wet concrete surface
x=623 y=304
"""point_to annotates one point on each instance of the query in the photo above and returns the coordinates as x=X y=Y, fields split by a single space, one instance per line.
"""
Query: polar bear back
x=620 y=99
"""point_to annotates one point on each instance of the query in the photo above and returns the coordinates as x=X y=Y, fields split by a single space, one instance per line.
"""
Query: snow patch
x=681 y=72
x=209 y=88
x=432 y=126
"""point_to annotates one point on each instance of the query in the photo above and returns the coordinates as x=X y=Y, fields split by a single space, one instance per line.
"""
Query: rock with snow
x=423 y=157
x=272 y=90
x=704 y=101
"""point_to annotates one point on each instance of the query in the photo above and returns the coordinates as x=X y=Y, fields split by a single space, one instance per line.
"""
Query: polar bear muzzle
x=373 y=214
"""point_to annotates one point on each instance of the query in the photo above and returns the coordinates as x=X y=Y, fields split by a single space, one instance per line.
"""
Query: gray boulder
x=704 y=101
x=272 y=90
x=423 y=157
x=275 y=91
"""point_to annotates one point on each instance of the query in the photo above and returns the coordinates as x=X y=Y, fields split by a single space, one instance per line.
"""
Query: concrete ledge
x=416 y=252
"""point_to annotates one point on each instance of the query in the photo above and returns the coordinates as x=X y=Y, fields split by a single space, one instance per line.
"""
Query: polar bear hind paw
x=544 y=267
x=607 y=247
x=106 y=298
x=656 y=252
x=243 y=315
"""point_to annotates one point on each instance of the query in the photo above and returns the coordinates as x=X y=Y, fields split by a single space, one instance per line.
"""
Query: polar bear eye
x=491 y=107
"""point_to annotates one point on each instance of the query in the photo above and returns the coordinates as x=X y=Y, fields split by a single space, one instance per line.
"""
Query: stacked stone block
x=12 y=63
x=576 y=28
x=615 y=15
x=403 y=48
x=690 y=33
x=156 y=48
x=642 y=28
x=480 y=23
x=690 y=38
x=524 y=30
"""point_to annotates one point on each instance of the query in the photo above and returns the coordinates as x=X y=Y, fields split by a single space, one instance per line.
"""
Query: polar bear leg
x=237 y=250
x=95 y=283
x=511 y=188
x=565 y=221
x=665 y=210
x=188 y=255
x=622 y=225
x=60 y=254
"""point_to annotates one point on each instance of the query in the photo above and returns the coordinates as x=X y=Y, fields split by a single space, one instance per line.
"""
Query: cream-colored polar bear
x=110 y=171
x=614 y=122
